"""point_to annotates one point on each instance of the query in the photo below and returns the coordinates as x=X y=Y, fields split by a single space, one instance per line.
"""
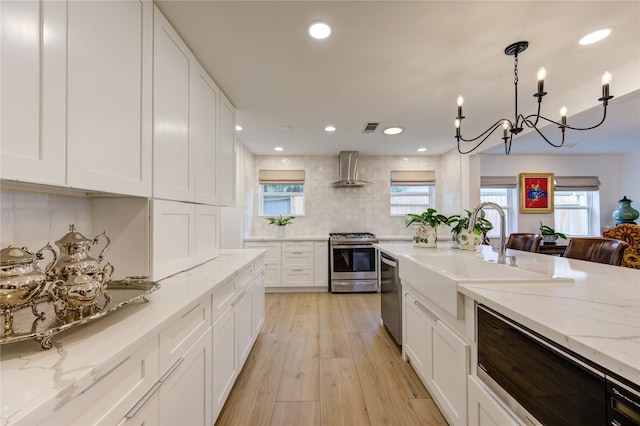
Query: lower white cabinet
x=321 y=263
x=257 y=300
x=183 y=397
x=438 y=354
x=484 y=410
x=143 y=415
x=223 y=370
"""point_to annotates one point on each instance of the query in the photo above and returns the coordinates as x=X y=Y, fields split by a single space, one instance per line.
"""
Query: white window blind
x=413 y=177
x=498 y=181
x=288 y=177
x=577 y=183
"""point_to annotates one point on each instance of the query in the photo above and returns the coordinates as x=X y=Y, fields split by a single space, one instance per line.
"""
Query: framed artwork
x=536 y=192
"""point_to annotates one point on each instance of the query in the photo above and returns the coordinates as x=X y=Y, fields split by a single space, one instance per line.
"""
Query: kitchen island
x=145 y=353
x=589 y=308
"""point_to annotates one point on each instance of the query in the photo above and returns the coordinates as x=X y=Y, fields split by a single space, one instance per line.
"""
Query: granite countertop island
x=597 y=315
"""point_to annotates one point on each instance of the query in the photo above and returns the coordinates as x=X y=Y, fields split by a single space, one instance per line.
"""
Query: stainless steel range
x=352 y=262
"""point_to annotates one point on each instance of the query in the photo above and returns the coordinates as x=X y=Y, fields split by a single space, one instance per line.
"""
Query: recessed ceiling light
x=393 y=130
x=422 y=149
x=595 y=36
x=330 y=129
x=278 y=148
x=238 y=128
x=319 y=30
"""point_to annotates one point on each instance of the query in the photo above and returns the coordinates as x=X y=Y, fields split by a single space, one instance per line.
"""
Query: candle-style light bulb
x=606 y=79
x=563 y=114
x=460 y=102
x=505 y=127
x=542 y=74
x=457 y=124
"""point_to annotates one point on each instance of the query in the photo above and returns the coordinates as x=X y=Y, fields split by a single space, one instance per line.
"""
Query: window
x=577 y=202
x=412 y=191
x=281 y=192
x=502 y=191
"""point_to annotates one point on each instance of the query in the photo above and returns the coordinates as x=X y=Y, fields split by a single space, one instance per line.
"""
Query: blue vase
x=625 y=213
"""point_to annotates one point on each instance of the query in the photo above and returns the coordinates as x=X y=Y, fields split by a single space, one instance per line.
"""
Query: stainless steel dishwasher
x=391 y=296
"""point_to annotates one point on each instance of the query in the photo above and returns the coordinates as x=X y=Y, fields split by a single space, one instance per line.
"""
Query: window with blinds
x=501 y=190
x=281 y=192
x=412 y=191
x=577 y=205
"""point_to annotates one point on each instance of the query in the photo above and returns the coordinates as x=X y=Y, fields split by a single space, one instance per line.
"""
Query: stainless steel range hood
x=348 y=171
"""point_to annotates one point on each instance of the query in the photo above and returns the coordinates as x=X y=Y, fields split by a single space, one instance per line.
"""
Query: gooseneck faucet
x=502 y=247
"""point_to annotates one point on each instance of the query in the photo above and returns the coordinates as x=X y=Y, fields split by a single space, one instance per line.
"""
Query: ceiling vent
x=370 y=127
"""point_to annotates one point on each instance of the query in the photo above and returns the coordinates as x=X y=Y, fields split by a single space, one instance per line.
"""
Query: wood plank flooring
x=325 y=359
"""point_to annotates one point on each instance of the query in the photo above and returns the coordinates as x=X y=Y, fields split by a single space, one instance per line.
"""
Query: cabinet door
x=184 y=397
x=173 y=174
x=207 y=238
x=33 y=87
x=109 y=96
x=173 y=233
x=203 y=117
x=225 y=154
x=484 y=410
x=447 y=372
x=258 y=302
x=321 y=264
x=224 y=365
x=416 y=324
x=145 y=415
x=244 y=325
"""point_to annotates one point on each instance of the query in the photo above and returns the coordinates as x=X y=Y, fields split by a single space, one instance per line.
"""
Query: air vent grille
x=370 y=127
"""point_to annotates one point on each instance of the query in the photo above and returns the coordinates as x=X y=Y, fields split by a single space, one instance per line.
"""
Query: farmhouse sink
x=437 y=276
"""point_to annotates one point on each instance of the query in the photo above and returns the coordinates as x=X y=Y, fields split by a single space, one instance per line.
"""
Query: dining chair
x=630 y=234
x=596 y=249
x=524 y=242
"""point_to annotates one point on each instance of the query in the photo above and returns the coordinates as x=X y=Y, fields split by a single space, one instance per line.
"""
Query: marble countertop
x=322 y=238
x=34 y=379
x=596 y=316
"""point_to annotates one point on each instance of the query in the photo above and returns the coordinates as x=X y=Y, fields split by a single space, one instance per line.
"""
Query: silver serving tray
x=118 y=295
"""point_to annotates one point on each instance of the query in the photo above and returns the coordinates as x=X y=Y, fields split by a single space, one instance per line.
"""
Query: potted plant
x=424 y=227
x=550 y=235
x=280 y=222
x=462 y=237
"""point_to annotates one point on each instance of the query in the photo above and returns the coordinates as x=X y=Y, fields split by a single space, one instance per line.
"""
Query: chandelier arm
x=530 y=125
x=487 y=132
x=527 y=121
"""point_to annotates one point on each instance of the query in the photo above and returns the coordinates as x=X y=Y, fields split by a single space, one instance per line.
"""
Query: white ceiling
x=405 y=62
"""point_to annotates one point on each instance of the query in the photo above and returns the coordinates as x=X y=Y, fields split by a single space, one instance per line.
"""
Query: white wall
x=610 y=169
x=365 y=209
x=630 y=178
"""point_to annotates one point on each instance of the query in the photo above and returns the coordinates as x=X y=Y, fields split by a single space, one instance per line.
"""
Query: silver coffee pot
x=74 y=254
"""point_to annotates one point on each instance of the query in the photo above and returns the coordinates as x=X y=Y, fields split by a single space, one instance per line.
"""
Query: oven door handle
x=353 y=246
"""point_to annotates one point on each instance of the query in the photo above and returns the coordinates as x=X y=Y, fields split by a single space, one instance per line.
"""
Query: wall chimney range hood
x=348 y=171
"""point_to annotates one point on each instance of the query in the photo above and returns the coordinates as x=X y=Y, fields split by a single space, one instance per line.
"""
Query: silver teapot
x=74 y=254
x=21 y=278
x=81 y=289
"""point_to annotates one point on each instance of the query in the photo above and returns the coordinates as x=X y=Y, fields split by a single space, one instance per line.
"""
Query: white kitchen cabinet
x=33 y=87
x=438 y=354
x=203 y=125
x=173 y=238
x=144 y=414
x=109 y=96
x=173 y=172
x=272 y=261
x=257 y=315
x=321 y=263
x=225 y=154
x=207 y=238
x=224 y=366
x=484 y=410
x=297 y=264
x=244 y=332
x=184 y=396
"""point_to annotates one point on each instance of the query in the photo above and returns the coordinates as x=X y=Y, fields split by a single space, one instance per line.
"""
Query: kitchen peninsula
x=593 y=310
x=186 y=345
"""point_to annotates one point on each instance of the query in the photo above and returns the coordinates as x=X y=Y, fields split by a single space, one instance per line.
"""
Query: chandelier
x=511 y=128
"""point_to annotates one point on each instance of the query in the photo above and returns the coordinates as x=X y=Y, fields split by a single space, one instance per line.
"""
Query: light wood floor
x=324 y=359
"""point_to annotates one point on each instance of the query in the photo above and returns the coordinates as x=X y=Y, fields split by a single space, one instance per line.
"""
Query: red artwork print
x=537 y=193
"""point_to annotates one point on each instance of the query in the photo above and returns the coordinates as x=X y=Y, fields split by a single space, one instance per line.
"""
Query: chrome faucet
x=502 y=247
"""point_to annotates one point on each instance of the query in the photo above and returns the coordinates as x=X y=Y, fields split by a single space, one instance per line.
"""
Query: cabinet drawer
x=222 y=297
x=272 y=276
x=297 y=278
x=244 y=278
x=184 y=332
x=258 y=267
x=118 y=387
x=297 y=260
x=297 y=246
x=273 y=255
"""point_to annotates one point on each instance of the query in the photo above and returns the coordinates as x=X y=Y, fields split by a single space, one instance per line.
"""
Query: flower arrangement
x=462 y=236
x=550 y=235
x=425 y=225
x=280 y=220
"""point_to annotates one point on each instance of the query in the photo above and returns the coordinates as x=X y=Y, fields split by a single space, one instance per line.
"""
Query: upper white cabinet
x=203 y=125
x=225 y=153
x=109 y=96
x=33 y=87
x=173 y=173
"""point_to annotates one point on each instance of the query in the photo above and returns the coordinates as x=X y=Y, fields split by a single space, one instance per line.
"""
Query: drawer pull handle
x=426 y=310
x=134 y=410
x=238 y=298
x=106 y=374
x=189 y=311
